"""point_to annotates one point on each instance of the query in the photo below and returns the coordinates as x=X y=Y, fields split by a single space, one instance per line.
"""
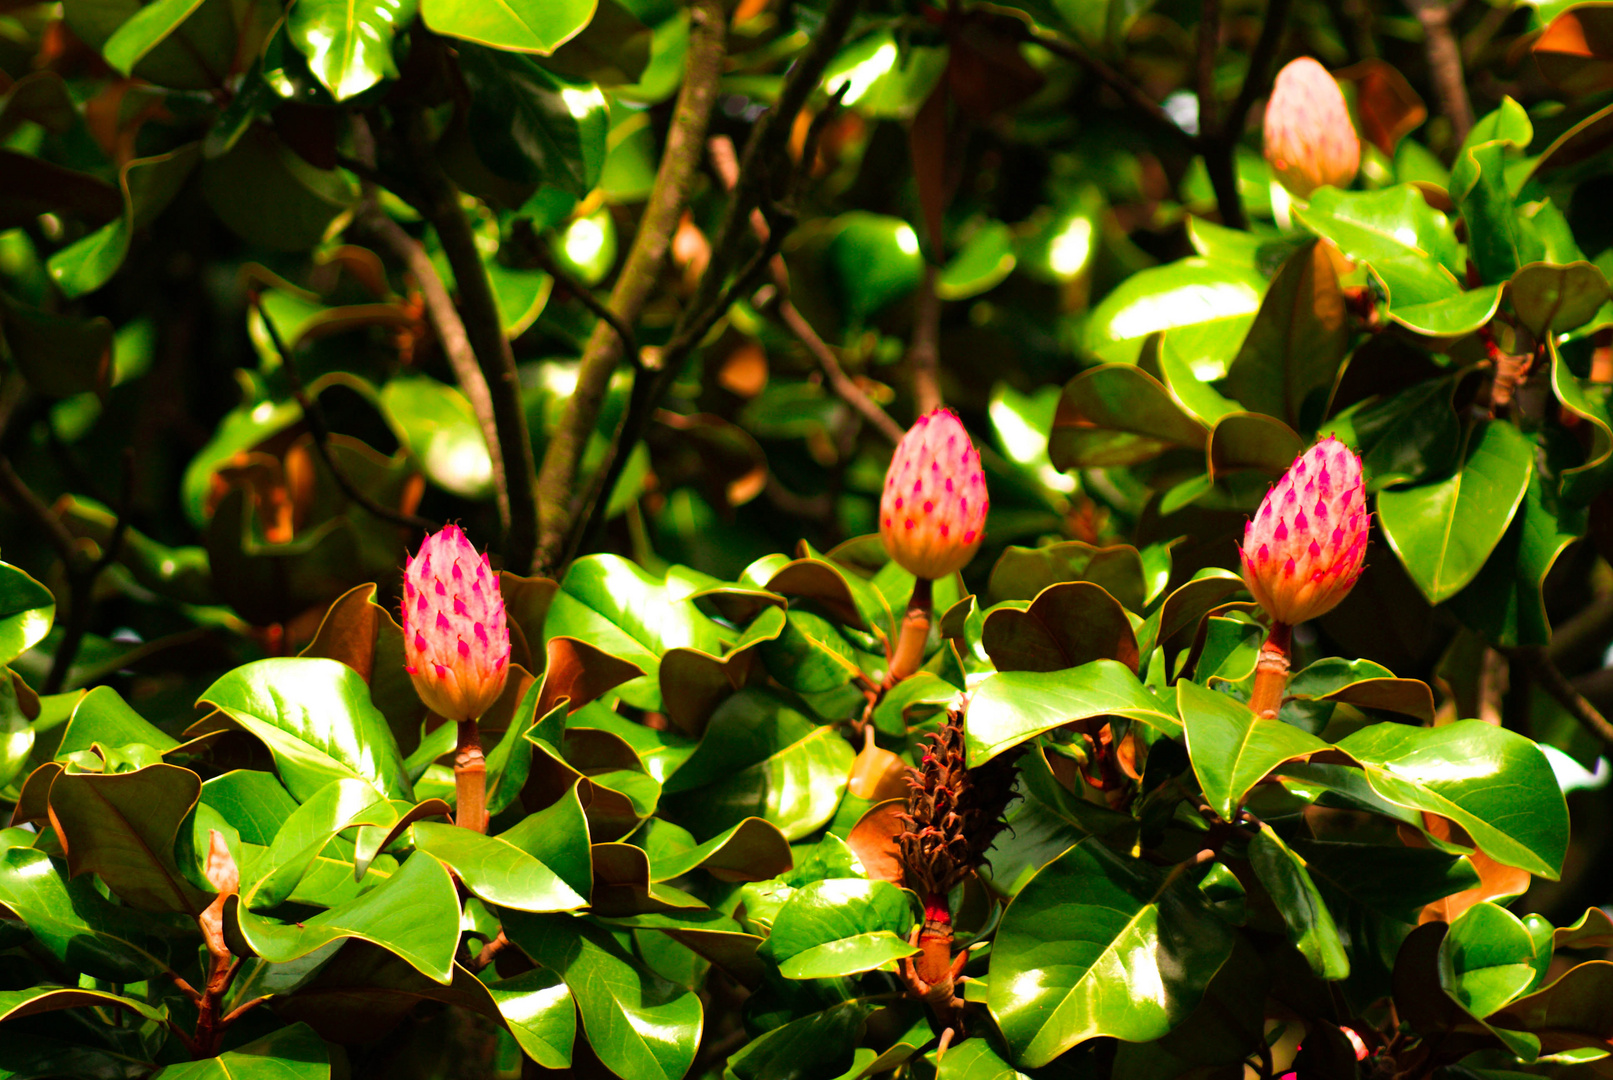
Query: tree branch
x=726 y=164
x=485 y=332
x=558 y=531
x=1552 y=681
x=1445 y=64
x=924 y=351
x=450 y=332
x=317 y=425
x=540 y=254
x=1220 y=144
x=1129 y=91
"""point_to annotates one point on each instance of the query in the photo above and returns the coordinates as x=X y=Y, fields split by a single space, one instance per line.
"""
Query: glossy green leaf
x=810 y=655
x=531 y=125
x=1444 y=531
x=305 y=833
x=1118 y=414
x=761 y=758
x=984 y=261
x=1494 y=783
x=1067 y=625
x=639 y=1025
x=557 y=836
x=316 y=718
x=1010 y=707
x=149 y=185
x=875 y=261
x=414 y=913
x=847 y=956
x=1243 y=440
x=753 y=850
x=496 y=870
x=122 y=827
x=1410 y=436
x=291 y=1053
x=819 y=1044
x=836 y=910
x=1408 y=244
x=1100 y=944
x=76 y=923
x=1311 y=928
x=27 y=610
x=1299 y=338
x=348 y=43
x=1552 y=300
x=142 y=33
x=1487 y=959
x=1193 y=293
x=1021 y=573
x=1499 y=240
x=1447 y=320
x=441 y=430
x=254 y=803
x=1232 y=749
x=15 y=1004
x=1389 y=881
x=534 y=26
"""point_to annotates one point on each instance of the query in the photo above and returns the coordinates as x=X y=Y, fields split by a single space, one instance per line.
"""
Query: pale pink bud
x=1305 y=546
x=456 y=643
x=932 y=516
x=1310 y=141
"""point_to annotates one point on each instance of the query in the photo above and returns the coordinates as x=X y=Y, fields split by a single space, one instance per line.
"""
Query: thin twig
x=1445 y=64
x=764 y=155
x=236 y=1013
x=560 y=524
x=1129 y=91
x=1219 y=144
x=726 y=164
x=450 y=330
x=540 y=254
x=1209 y=44
x=22 y=497
x=81 y=583
x=924 y=352
x=1552 y=681
x=489 y=952
x=321 y=432
x=483 y=329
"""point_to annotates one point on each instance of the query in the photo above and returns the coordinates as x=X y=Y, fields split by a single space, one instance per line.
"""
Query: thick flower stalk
x=953 y=815
x=456 y=645
x=1303 y=552
x=1309 y=139
x=932 y=518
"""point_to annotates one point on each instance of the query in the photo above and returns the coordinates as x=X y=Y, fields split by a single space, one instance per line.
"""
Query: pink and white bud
x=456 y=642
x=932 y=516
x=1310 y=141
x=1305 y=547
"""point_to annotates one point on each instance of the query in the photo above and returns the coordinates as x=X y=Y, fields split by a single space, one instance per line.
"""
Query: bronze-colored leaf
x=873 y=840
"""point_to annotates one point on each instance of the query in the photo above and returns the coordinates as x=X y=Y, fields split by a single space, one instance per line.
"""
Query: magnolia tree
x=491 y=586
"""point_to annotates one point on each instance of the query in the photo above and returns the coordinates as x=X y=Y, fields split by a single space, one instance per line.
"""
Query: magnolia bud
x=1304 y=549
x=1310 y=141
x=456 y=643
x=933 y=513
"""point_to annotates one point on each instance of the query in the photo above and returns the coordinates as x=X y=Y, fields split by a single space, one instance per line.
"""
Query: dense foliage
x=631 y=290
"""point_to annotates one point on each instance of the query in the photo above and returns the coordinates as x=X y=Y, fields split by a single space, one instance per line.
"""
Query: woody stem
x=1271 y=672
x=909 y=654
x=470 y=780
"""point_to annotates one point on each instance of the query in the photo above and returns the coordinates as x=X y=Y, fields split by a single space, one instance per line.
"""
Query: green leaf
x=1191 y=293
x=530 y=125
x=340 y=804
x=874 y=260
x=1486 y=959
x=348 y=43
x=1389 y=881
x=253 y=802
x=1243 y=440
x=1118 y=414
x=145 y=31
x=414 y=913
x=1407 y=243
x=532 y=26
x=1010 y=707
x=1499 y=239
x=1021 y=573
x=122 y=828
x=15 y=1004
x=536 y=1005
x=753 y=850
x=291 y=1053
x=1494 y=783
x=833 y=910
x=847 y=956
x=1287 y=879
x=1232 y=749
x=809 y=655
x=1099 y=944
x=639 y=1025
x=762 y=758
x=149 y=185
x=315 y=717
x=496 y=870
x=1421 y=523
x=817 y=1045
x=1067 y=625
x=102 y=716
x=1299 y=338
x=1407 y=437
x=76 y=923
x=984 y=261
x=60 y=356
x=1552 y=300
x=27 y=610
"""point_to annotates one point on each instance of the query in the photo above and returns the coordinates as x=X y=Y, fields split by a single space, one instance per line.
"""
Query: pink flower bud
x=933 y=513
x=456 y=643
x=1304 y=549
x=1310 y=141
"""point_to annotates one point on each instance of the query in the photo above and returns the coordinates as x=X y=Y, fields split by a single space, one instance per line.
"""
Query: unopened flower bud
x=456 y=643
x=1310 y=141
x=933 y=513
x=1305 y=547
